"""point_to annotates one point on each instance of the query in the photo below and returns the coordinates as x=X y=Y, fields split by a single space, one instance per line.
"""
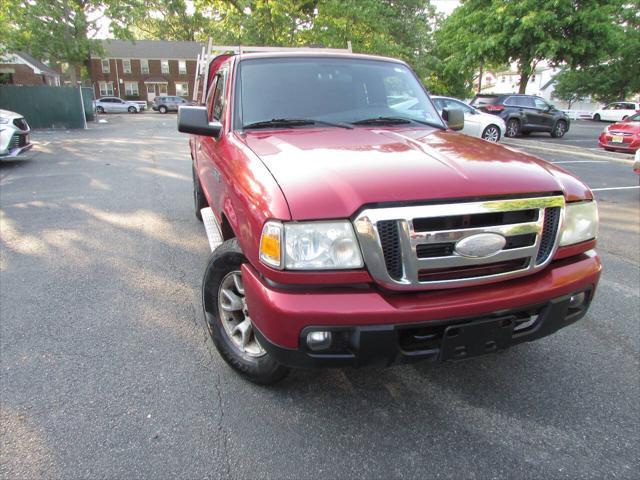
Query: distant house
x=22 y=69
x=508 y=81
x=144 y=69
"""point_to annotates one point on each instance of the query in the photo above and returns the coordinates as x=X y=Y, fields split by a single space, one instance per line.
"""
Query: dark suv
x=524 y=114
x=166 y=104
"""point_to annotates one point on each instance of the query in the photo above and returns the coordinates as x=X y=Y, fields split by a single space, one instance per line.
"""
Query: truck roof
x=311 y=53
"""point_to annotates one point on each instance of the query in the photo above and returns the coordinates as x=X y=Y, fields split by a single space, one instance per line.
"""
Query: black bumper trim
x=387 y=344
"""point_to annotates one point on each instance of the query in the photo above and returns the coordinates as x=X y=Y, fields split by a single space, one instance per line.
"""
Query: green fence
x=87 y=97
x=46 y=107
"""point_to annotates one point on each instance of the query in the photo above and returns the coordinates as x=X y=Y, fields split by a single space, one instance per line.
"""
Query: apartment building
x=144 y=69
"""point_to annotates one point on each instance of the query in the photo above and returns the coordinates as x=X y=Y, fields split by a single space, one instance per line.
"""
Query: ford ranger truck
x=351 y=224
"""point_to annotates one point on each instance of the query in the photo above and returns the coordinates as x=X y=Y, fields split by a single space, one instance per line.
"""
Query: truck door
x=208 y=149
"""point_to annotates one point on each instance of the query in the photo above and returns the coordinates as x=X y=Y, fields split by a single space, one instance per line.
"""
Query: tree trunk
x=524 y=80
x=524 y=69
x=480 y=78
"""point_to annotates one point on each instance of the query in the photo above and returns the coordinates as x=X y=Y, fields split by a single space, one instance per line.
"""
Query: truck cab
x=352 y=224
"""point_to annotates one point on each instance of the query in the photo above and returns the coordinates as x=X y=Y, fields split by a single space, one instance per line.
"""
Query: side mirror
x=454 y=118
x=196 y=120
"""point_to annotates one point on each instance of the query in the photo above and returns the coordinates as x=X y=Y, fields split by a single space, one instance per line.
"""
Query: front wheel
x=162 y=109
x=491 y=133
x=132 y=110
x=513 y=128
x=559 y=129
x=99 y=109
x=596 y=117
x=228 y=317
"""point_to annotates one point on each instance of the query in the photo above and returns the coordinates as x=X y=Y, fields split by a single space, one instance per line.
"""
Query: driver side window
x=217 y=108
x=541 y=104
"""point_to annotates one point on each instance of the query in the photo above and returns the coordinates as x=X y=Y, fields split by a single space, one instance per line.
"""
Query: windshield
x=336 y=90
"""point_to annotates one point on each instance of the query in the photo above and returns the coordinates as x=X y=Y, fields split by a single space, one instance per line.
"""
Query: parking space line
x=564 y=151
x=582 y=161
x=614 y=188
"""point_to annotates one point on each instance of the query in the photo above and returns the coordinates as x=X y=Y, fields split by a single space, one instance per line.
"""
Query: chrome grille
x=413 y=248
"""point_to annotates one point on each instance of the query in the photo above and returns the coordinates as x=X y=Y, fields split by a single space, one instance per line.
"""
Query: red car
x=352 y=224
x=623 y=136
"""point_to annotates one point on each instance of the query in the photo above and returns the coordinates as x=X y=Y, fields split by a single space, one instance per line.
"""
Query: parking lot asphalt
x=106 y=369
x=582 y=133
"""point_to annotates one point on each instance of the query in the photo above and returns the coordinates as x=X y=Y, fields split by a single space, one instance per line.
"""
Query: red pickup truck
x=351 y=224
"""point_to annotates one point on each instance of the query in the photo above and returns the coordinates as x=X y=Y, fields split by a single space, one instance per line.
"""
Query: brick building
x=144 y=69
x=22 y=69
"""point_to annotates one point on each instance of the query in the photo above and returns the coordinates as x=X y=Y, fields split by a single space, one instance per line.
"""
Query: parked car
x=166 y=104
x=15 y=134
x=476 y=123
x=115 y=105
x=524 y=114
x=624 y=136
x=616 y=111
x=348 y=228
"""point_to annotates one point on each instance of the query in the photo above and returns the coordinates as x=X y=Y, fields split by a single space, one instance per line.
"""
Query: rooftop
x=151 y=49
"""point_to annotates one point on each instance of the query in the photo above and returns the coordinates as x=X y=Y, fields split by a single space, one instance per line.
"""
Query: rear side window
x=481 y=100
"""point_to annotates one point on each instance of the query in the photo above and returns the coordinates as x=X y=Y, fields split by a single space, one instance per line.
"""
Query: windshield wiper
x=294 y=122
x=394 y=121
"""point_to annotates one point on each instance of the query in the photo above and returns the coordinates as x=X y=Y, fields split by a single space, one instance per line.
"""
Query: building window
x=144 y=66
x=182 y=89
x=131 y=89
x=164 y=66
x=106 y=68
x=182 y=67
x=126 y=65
x=533 y=77
x=106 y=89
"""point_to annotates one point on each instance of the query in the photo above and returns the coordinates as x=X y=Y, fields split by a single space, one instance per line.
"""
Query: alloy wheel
x=234 y=315
x=492 y=134
x=512 y=128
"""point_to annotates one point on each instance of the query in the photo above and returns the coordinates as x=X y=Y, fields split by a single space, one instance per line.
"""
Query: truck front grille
x=414 y=248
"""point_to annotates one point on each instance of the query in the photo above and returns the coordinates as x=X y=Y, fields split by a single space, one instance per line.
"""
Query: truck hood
x=332 y=173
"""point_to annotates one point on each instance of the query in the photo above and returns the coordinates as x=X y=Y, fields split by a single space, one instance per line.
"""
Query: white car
x=15 y=134
x=616 y=111
x=477 y=124
x=115 y=104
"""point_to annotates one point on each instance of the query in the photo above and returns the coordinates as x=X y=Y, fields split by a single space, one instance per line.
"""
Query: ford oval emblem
x=480 y=245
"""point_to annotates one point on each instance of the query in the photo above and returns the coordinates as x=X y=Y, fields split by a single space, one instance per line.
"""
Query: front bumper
x=628 y=144
x=374 y=326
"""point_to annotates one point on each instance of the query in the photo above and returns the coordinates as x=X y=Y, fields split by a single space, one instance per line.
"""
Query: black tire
x=559 y=129
x=162 y=109
x=224 y=260
x=99 y=109
x=491 y=133
x=596 y=117
x=199 y=200
x=513 y=128
x=132 y=109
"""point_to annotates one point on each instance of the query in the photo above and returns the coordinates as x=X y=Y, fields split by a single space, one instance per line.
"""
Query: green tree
x=570 y=87
x=62 y=30
x=615 y=78
x=525 y=32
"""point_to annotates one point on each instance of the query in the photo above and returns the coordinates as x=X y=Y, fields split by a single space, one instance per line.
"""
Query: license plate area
x=617 y=139
x=476 y=338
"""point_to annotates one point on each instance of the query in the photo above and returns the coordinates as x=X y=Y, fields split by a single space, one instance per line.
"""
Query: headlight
x=580 y=223
x=310 y=245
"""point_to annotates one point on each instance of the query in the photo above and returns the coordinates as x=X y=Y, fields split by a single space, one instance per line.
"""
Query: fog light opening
x=577 y=300
x=319 y=340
